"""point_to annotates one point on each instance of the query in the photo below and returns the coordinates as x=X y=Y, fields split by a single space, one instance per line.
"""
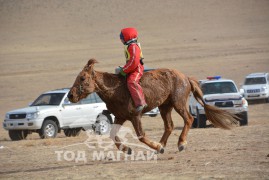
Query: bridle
x=80 y=86
x=80 y=89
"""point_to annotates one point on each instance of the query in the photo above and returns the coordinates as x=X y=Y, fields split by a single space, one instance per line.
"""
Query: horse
x=166 y=89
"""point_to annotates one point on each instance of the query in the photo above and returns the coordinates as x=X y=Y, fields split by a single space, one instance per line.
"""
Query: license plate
x=253 y=95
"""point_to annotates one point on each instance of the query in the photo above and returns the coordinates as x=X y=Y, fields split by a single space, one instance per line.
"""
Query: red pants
x=134 y=87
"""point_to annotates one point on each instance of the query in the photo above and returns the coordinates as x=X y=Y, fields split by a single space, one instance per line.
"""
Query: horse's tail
x=219 y=118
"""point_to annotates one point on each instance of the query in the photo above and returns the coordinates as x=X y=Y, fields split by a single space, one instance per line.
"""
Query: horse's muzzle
x=70 y=96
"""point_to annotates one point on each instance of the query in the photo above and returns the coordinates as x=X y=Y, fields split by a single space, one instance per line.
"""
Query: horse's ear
x=90 y=64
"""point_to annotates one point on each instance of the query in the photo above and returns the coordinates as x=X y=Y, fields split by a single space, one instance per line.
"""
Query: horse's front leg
x=165 y=111
x=113 y=135
x=136 y=121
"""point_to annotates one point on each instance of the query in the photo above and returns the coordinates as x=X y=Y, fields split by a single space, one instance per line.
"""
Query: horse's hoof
x=125 y=149
x=182 y=146
x=160 y=149
x=129 y=151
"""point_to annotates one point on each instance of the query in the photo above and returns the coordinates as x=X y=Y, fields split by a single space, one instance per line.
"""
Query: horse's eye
x=82 y=78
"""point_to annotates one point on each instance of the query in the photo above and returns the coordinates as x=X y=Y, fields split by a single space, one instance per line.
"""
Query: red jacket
x=134 y=60
x=133 y=55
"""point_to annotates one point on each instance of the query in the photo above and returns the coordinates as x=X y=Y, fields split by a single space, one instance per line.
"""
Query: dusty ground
x=44 y=44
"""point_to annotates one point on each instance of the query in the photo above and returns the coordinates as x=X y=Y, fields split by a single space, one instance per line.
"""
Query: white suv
x=256 y=86
x=223 y=94
x=52 y=112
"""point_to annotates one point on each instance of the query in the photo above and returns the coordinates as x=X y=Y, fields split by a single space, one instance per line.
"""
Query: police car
x=221 y=93
x=256 y=86
x=52 y=112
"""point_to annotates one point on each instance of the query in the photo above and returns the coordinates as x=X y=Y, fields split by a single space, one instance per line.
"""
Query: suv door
x=71 y=113
x=92 y=106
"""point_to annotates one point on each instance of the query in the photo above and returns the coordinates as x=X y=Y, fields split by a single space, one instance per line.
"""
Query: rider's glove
x=122 y=72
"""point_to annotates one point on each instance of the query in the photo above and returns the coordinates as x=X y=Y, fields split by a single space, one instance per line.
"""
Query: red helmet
x=128 y=34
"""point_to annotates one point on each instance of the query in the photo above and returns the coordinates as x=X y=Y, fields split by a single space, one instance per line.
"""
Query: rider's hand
x=122 y=72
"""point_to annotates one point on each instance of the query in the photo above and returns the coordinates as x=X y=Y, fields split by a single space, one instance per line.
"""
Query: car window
x=256 y=80
x=98 y=99
x=218 y=88
x=48 y=99
x=90 y=99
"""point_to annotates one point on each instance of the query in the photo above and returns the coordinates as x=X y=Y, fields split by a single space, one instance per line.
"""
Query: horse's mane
x=113 y=79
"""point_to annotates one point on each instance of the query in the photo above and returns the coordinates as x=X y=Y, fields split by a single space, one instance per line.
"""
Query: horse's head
x=84 y=83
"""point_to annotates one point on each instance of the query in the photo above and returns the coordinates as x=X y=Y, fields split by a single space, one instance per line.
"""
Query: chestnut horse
x=163 y=88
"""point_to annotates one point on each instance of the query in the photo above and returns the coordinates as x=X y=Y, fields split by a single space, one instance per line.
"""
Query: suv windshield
x=218 y=88
x=256 y=80
x=49 y=99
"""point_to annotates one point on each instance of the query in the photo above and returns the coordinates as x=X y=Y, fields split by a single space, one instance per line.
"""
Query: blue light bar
x=213 y=77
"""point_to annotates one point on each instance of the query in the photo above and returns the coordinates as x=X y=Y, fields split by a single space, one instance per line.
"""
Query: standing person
x=133 y=68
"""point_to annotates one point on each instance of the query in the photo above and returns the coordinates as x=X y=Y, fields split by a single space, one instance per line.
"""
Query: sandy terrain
x=44 y=44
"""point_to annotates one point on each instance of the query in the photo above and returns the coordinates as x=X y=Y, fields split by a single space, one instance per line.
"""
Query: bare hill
x=45 y=43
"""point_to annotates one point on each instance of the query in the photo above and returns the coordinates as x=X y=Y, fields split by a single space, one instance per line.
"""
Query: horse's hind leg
x=113 y=135
x=165 y=111
x=188 y=119
x=136 y=121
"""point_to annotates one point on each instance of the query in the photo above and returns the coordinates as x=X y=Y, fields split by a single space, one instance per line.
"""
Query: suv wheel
x=243 y=118
x=200 y=120
x=49 y=129
x=72 y=132
x=194 y=123
x=102 y=125
x=16 y=135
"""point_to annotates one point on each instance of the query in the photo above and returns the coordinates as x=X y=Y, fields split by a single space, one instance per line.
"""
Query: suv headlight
x=199 y=106
x=263 y=89
x=31 y=115
x=238 y=103
x=212 y=103
x=7 y=116
x=241 y=103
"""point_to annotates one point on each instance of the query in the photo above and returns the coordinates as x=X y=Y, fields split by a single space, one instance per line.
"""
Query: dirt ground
x=44 y=44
